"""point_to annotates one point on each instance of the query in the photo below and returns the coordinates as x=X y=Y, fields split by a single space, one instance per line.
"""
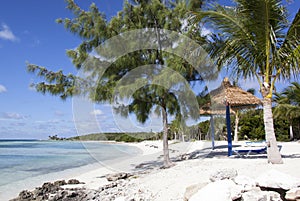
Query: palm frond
x=251 y=38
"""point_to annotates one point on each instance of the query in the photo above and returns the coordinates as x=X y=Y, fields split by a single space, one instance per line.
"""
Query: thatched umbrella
x=234 y=98
x=212 y=110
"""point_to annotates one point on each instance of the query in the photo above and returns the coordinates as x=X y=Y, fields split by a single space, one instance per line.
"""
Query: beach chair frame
x=247 y=151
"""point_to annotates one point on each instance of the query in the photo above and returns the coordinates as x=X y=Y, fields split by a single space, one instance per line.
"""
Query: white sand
x=151 y=156
x=170 y=184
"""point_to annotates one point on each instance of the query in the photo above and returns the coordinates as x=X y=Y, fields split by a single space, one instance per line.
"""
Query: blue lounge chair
x=261 y=143
x=246 y=151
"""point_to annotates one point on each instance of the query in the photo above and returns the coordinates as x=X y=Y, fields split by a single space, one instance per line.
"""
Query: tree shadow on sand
x=220 y=152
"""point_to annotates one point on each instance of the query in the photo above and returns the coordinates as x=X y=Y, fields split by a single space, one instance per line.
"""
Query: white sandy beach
x=170 y=184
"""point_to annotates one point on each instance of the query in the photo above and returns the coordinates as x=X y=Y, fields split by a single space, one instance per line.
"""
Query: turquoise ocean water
x=21 y=160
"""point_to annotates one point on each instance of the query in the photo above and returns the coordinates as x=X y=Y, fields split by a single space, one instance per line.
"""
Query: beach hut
x=228 y=99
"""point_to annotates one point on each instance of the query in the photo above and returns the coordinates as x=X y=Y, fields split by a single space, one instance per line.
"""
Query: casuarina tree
x=151 y=79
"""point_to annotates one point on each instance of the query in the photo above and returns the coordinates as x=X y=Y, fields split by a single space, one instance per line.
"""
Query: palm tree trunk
x=167 y=161
x=274 y=155
x=236 y=138
x=291 y=131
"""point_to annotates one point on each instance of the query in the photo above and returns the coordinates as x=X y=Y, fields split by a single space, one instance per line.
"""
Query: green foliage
x=204 y=127
x=250 y=36
x=203 y=98
x=288 y=106
x=93 y=27
x=253 y=39
x=195 y=5
x=56 y=82
x=55 y=137
x=296 y=128
x=251 y=126
x=127 y=138
x=111 y=77
x=281 y=126
x=119 y=137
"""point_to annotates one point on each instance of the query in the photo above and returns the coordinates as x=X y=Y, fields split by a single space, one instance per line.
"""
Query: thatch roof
x=207 y=109
x=236 y=97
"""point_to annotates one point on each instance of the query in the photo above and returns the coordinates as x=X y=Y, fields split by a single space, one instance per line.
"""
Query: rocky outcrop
x=225 y=190
x=74 y=181
x=293 y=194
x=53 y=192
x=191 y=190
x=276 y=179
x=125 y=190
x=25 y=196
x=223 y=174
x=227 y=185
x=66 y=195
x=246 y=183
x=256 y=194
x=118 y=176
x=117 y=190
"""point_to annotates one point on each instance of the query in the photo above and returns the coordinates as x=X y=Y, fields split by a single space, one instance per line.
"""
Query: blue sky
x=28 y=32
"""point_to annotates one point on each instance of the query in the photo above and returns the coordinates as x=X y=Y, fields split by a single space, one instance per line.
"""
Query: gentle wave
x=24 y=159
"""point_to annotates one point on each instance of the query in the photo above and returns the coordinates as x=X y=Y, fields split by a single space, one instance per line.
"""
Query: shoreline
x=11 y=190
x=164 y=183
x=91 y=174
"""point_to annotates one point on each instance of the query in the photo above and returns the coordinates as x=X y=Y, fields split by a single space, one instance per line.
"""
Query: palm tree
x=292 y=93
x=255 y=40
x=288 y=104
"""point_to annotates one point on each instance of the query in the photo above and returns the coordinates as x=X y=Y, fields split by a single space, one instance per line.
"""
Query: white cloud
x=6 y=33
x=2 y=89
x=59 y=113
x=18 y=124
x=96 y=112
x=14 y=115
x=36 y=42
x=62 y=128
x=248 y=84
x=26 y=32
x=31 y=129
x=205 y=31
x=51 y=121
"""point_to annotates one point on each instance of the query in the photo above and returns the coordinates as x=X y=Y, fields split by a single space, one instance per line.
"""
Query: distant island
x=118 y=137
x=56 y=138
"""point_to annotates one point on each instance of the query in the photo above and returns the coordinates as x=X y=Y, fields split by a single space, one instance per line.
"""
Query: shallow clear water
x=23 y=159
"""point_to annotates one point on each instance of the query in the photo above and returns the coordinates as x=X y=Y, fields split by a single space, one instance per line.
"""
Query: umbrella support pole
x=229 y=139
x=212 y=127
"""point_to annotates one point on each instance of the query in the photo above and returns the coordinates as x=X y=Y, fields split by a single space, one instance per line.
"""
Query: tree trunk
x=291 y=131
x=200 y=137
x=167 y=161
x=236 y=138
x=274 y=155
x=212 y=126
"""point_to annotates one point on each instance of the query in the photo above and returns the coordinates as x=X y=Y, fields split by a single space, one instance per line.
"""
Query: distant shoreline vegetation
x=118 y=137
